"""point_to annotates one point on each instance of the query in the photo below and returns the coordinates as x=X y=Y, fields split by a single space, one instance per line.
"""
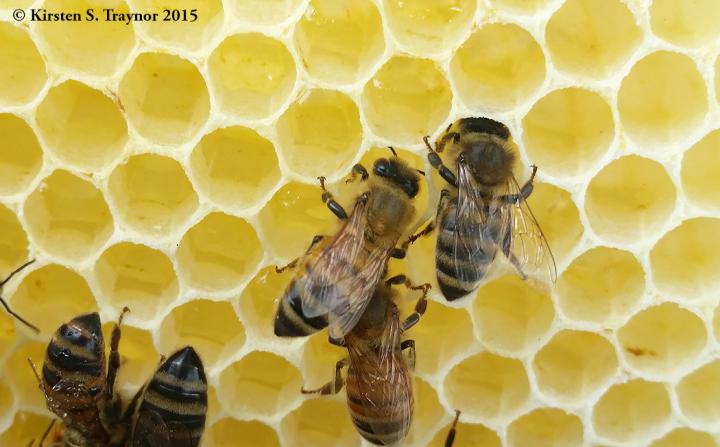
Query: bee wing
x=383 y=383
x=523 y=241
x=342 y=278
x=151 y=430
x=472 y=238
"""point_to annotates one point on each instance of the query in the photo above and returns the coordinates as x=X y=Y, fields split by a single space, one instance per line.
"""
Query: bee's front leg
x=334 y=386
x=114 y=358
x=329 y=200
x=360 y=170
x=436 y=162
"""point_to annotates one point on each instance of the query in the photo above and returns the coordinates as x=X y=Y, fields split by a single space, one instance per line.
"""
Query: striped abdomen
x=460 y=269
x=73 y=377
x=174 y=404
x=290 y=320
x=381 y=407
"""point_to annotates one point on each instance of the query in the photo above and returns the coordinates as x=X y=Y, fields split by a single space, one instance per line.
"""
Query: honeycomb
x=169 y=166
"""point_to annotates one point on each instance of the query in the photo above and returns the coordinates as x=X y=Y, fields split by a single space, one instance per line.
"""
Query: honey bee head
x=398 y=173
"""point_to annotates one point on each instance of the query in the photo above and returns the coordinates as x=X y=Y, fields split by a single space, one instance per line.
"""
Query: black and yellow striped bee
x=173 y=405
x=338 y=275
x=5 y=304
x=79 y=387
x=485 y=211
x=379 y=383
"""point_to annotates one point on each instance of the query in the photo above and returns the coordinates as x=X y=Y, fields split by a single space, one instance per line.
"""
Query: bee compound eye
x=382 y=167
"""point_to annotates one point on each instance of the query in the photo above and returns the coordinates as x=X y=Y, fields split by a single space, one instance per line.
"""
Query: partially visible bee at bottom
x=173 y=404
x=379 y=384
x=78 y=389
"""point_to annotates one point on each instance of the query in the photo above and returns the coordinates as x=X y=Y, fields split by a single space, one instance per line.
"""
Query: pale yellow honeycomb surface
x=169 y=166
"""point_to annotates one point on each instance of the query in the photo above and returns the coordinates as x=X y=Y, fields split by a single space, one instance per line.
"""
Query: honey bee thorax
x=389 y=211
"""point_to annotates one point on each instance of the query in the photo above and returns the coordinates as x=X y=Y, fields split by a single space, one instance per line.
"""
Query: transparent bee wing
x=474 y=239
x=384 y=385
x=150 y=430
x=523 y=242
x=341 y=279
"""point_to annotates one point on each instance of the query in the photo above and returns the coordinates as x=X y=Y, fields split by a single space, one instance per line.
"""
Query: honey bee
x=485 y=211
x=379 y=384
x=7 y=307
x=338 y=275
x=173 y=405
x=77 y=388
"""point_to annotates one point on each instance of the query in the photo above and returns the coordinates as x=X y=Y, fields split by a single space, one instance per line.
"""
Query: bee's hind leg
x=334 y=386
x=525 y=190
x=332 y=205
x=114 y=358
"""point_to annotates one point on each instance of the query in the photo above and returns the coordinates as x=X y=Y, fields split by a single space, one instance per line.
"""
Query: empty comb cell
x=662 y=341
x=251 y=75
x=320 y=133
x=429 y=26
x=407 y=99
x=487 y=387
x=510 y=315
x=20 y=156
x=592 y=38
x=218 y=252
x=149 y=95
x=632 y=412
x=662 y=100
x=152 y=194
x=568 y=131
x=177 y=26
x=68 y=217
x=699 y=166
x=340 y=41
x=227 y=431
x=220 y=167
x=546 y=427
x=685 y=24
x=85 y=141
x=273 y=382
x=601 y=286
x=138 y=277
x=23 y=71
x=210 y=327
x=94 y=47
x=498 y=67
x=685 y=436
x=698 y=394
x=321 y=423
x=13 y=242
x=54 y=295
x=574 y=366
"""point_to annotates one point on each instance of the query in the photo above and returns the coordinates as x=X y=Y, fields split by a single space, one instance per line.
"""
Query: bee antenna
x=421 y=172
x=392 y=149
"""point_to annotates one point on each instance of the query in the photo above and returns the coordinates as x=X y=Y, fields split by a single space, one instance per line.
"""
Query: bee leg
x=114 y=359
x=410 y=346
x=451 y=434
x=46 y=433
x=337 y=341
x=334 y=386
x=130 y=410
x=442 y=203
x=436 y=162
x=7 y=307
x=399 y=253
x=360 y=170
x=525 y=191
x=291 y=265
x=517 y=264
x=420 y=306
x=332 y=205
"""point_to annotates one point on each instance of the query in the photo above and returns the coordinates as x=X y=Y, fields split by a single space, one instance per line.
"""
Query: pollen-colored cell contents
x=171 y=165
